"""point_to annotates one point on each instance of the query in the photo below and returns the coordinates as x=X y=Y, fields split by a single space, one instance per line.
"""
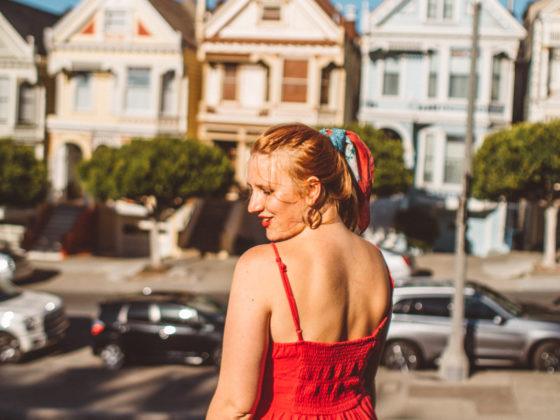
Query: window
x=167 y=93
x=115 y=22
x=433 y=75
x=229 y=86
x=294 y=81
x=83 y=92
x=454 y=157
x=554 y=72
x=429 y=145
x=139 y=311
x=432 y=9
x=476 y=309
x=138 y=89
x=448 y=9
x=459 y=74
x=177 y=314
x=325 y=85
x=271 y=13
x=4 y=99
x=26 y=110
x=391 y=76
x=496 y=76
x=426 y=306
x=439 y=9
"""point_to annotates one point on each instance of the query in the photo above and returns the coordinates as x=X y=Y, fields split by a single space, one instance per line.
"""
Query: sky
x=59 y=6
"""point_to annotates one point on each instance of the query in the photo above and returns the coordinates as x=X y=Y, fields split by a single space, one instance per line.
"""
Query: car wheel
x=113 y=356
x=10 y=351
x=217 y=356
x=546 y=357
x=402 y=355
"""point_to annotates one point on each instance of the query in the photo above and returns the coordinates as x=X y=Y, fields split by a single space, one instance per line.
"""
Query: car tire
x=112 y=356
x=10 y=351
x=402 y=355
x=217 y=356
x=546 y=357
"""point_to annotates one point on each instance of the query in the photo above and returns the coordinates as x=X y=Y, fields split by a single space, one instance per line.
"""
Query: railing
x=439 y=106
x=80 y=237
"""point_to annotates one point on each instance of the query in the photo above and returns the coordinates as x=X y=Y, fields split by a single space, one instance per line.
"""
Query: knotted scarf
x=361 y=166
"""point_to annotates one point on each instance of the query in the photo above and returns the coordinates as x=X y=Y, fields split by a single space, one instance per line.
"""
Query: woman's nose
x=255 y=203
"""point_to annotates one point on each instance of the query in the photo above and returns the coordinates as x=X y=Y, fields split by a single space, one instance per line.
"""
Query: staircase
x=49 y=244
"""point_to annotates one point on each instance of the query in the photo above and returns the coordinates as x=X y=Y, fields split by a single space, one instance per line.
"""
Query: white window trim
x=402 y=78
x=90 y=106
x=152 y=102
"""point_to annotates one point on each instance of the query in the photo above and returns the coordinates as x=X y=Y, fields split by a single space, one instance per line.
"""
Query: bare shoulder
x=373 y=252
x=251 y=270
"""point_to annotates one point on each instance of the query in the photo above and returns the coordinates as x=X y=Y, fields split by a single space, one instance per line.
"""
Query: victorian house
x=415 y=71
x=542 y=52
x=267 y=62
x=124 y=69
x=23 y=79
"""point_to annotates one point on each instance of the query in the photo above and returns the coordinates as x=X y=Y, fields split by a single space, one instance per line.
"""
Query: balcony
x=430 y=106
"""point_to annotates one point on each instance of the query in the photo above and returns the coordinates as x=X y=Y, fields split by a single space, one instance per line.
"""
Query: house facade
x=123 y=69
x=23 y=80
x=267 y=62
x=415 y=72
x=542 y=52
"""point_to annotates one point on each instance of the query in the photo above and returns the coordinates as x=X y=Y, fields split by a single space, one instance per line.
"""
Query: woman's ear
x=312 y=190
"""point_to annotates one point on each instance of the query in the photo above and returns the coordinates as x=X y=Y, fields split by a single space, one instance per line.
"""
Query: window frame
x=86 y=76
x=450 y=139
x=398 y=59
x=30 y=102
x=110 y=32
x=148 y=91
x=5 y=99
x=230 y=81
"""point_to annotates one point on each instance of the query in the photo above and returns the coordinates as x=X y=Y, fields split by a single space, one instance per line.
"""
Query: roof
x=178 y=17
x=534 y=8
x=27 y=21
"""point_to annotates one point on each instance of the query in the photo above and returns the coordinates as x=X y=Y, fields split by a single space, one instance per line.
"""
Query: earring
x=313 y=218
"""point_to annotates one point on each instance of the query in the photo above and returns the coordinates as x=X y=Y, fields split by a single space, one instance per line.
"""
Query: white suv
x=28 y=320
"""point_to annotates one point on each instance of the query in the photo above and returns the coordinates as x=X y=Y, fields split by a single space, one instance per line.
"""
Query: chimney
x=350 y=12
x=199 y=19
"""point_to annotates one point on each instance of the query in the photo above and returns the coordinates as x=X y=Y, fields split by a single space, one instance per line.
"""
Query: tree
x=391 y=175
x=161 y=173
x=23 y=178
x=523 y=162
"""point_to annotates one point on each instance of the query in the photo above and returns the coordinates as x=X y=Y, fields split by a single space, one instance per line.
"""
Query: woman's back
x=340 y=283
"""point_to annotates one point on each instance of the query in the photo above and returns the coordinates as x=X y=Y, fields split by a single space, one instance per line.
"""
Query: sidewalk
x=493 y=394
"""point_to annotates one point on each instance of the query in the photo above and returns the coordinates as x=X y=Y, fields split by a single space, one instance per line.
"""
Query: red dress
x=307 y=380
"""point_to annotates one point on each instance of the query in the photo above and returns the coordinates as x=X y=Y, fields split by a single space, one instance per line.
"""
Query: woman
x=308 y=313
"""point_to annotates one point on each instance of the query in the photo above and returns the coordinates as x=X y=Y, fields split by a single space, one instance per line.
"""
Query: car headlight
x=31 y=323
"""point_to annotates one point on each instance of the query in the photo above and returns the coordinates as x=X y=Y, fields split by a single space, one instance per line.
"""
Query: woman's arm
x=246 y=338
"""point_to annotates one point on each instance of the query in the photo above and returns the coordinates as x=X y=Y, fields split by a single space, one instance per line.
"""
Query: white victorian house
x=415 y=71
x=267 y=62
x=23 y=81
x=123 y=69
x=542 y=20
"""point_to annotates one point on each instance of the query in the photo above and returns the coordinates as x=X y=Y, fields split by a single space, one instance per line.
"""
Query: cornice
x=271 y=41
x=120 y=48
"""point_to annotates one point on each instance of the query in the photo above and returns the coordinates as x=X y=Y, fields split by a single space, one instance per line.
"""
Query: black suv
x=156 y=326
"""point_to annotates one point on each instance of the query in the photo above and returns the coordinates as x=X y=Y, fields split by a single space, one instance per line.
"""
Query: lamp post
x=454 y=365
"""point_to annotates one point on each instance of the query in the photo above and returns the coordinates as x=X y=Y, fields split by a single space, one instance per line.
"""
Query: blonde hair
x=312 y=154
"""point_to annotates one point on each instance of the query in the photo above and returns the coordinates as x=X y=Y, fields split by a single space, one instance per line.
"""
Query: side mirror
x=498 y=320
x=7 y=268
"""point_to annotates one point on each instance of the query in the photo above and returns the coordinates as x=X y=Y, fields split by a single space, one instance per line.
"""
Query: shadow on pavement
x=77 y=336
x=39 y=276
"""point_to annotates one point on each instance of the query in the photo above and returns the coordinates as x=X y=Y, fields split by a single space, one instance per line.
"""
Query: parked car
x=22 y=266
x=497 y=329
x=158 y=326
x=28 y=320
x=401 y=266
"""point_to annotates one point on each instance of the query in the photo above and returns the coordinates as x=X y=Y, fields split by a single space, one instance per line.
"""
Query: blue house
x=415 y=71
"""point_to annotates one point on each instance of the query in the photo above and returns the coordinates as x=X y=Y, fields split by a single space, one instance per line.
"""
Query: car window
x=177 y=314
x=139 y=311
x=110 y=312
x=426 y=306
x=476 y=309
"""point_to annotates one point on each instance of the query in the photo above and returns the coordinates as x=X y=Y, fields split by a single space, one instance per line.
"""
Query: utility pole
x=454 y=365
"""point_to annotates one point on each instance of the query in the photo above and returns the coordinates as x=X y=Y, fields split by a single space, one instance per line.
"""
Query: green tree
x=161 y=173
x=391 y=175
x=23 y=179
x=523 y=162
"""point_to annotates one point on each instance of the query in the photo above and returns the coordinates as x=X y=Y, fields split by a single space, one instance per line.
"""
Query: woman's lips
x=265 y=223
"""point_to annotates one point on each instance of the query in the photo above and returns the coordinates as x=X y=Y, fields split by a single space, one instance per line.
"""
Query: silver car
x=497 y=329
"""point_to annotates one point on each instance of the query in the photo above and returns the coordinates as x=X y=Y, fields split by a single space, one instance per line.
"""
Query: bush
x=23 y=179
x=419 y=225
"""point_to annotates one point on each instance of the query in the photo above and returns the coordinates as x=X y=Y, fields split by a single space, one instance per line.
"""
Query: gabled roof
x=535 y=8
x=178 y=17
x=27 y=21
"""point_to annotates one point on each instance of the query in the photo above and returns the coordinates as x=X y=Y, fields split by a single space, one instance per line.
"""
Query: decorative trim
x=269 y=41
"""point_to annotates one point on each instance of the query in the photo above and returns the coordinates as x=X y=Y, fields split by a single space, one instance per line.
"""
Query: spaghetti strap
x=288 y=290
